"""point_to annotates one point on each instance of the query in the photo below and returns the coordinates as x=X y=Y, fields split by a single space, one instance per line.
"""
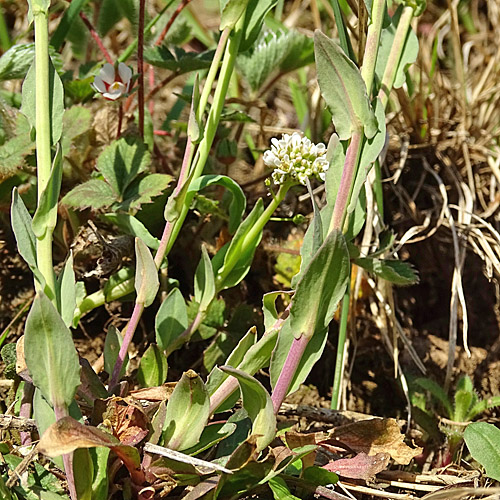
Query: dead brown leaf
x=161 y=393
x=20 y=361
x=67 y=435
x=298 y=439
x=127 y=420
x=374 y=436
x=362 y=466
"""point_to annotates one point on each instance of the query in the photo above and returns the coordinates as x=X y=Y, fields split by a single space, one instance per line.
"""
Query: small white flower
x=296 y=158
x=113 y=84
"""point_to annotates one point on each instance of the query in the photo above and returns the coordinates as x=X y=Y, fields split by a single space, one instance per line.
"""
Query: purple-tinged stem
x=96 y=37
x=131 y=327
x=25 y=410
x=140 y=66
x=169 y=226
x=288 y=371
x=61 y=412
x=351 y=160
x=231 y=383
x=299 y=345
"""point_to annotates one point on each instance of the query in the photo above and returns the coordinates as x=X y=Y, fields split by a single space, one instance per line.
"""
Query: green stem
x=214 y=67
x=213 y=118
x=99 y=298
x=229 y=266
x=42 y=126
x=253 y=234
x=339 y=362
x=372 y=44
x=395 y=54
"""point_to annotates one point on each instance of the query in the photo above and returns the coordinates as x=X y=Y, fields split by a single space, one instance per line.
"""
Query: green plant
x=117 y=192
x=459 y=409
x=483 y=441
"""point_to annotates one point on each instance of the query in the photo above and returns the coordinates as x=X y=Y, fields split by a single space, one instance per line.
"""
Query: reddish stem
x=131 y=327
x=120 y=120
x=96 y=37
x=179 y=9
x=169 y=226
x=231 y=383
x=140 y=66
x=288 y=371
x=348 y=172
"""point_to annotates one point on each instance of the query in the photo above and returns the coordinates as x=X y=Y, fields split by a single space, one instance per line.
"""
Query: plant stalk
x=99 y=298
x=231 y=384
x=61 y=412
x=131 y=327
x=174 y=16
x=348 y=173
x=212 y=72
x=140 y=66
x=372 y=44
x=127 y=53
x=395 y=54
x=339 y=361
x=43 y=142
x=288 y=371
x=96 y=37
x=350 y=169
x=172 y=230
x=231 y=51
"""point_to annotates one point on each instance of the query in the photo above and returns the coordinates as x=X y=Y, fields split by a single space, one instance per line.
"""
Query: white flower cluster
x=113 y=84
x=296 y=158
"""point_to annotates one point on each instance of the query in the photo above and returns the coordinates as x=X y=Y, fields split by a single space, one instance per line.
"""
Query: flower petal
x=99 y=85
x=111 y=97
x=107 y=73
x=115 y=91
x=125 y=73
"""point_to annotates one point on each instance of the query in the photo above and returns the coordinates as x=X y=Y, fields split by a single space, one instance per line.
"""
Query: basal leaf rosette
x=295 y=158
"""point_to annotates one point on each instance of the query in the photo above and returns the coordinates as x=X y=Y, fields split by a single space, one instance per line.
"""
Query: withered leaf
x=128 y=421
x=375 y=436
x=201 y=489
x=362 y=466
x=298 y=439
x=245 y=453
x=160 y=393
x=67 y=435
